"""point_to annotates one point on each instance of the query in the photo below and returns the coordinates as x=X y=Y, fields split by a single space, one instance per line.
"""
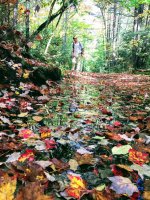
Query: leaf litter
x=85 y=138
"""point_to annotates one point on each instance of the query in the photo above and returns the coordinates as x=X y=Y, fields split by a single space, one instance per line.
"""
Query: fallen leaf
x=5 y=120
x=117 y=124
x=77 y=186
x=32 y=191
x=60 y=165
x=23 y=114
x=98 y=195
x=43 y=163
x=37 y=118
x=28 y=155
x=50 y=144
x=7 y=187
x=122 y=185
x=124 y=149
x=126 y=167
x=83 y=151
x=73 y=164
x=137 y=157
x=142 y=170
x=13 y=157
x=146 y=195
x=100 y=187
x=27 y=133
x=49 y=177
x=84 y=159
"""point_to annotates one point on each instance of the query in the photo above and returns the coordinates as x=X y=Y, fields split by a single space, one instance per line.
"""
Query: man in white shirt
x=77 y=54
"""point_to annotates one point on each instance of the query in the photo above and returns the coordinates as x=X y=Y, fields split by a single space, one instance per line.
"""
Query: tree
x=64 y=5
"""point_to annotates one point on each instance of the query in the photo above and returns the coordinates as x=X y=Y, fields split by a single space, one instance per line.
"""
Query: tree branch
x=48 y=21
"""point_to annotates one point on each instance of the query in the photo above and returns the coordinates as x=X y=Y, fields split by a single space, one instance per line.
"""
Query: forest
x=74 y=99
x=115 y=34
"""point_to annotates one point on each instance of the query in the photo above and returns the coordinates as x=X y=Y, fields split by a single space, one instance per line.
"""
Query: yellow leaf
x=7 y=188
x=26 y=75
x=53 y=167
x=21 y=9
x=17 y=93
x=73 y=164
x=126 y=167
x=77 y=187
x=23 y=114
x=76 y=182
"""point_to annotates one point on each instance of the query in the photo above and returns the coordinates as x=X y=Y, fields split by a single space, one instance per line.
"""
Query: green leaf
x=142 y=170
x=121 y=149
x=100 y=187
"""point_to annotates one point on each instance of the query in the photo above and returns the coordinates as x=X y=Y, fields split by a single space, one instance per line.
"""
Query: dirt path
x=86 y=137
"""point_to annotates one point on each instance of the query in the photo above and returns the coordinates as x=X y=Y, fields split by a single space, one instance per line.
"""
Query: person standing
x=77 y=54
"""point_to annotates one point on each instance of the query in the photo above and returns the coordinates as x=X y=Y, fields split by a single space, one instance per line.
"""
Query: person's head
x=75 y=39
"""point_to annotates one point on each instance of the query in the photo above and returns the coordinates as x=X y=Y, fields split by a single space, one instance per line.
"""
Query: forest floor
x=86 y=137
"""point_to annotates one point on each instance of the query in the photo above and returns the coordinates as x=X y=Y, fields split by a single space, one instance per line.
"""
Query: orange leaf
x=138 y=157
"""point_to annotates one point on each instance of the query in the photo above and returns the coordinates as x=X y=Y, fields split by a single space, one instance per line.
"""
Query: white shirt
x=77 y=49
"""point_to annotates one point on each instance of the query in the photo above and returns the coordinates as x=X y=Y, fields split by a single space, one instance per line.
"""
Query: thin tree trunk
x=8 y=13
x=114 y=26
x=118 y=26
x=147 y=18
x=65 y=27
x=15 y=14
x=135 y=21
x=27 y=20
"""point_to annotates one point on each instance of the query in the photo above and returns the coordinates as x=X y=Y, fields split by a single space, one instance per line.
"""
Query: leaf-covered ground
x=84 y=138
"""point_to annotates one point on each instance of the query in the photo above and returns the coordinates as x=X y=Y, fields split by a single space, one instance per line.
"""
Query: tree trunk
x=136 y=59
x=8 y=13
x=114 y=26
x=27 y=20
x=147 y=18
x=15 y=14
x=65 y=27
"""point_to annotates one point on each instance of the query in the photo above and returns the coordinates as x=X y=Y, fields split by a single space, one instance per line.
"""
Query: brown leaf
x=60 y=165
x=146 y=195
x=84 y=159
x=99 y=195
x=32 y=191
x=148 y=124
x=133 y=118
x=38 y=37
x=10 y=146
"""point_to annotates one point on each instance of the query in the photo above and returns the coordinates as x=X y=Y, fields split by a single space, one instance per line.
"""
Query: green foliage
x=142 y=47
x=97 y=62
